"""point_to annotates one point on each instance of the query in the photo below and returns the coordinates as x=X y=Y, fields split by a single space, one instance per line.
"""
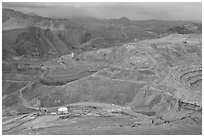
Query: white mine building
x=62 y=110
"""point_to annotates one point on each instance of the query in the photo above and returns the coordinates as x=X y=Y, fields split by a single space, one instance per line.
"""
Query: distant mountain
x=123 y=20
x=32 y=14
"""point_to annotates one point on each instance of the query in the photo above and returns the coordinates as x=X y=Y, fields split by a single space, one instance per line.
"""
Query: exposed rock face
x=38 y=42
x=32 y=42
x=74 y=36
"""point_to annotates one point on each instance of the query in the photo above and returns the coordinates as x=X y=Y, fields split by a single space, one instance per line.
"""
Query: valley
x=113 y=77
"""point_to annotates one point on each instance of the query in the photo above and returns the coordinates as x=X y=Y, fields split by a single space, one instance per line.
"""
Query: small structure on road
x=62 y=110
x=53 y=113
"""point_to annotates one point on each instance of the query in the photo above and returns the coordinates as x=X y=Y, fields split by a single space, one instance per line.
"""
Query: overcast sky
x=135 y=11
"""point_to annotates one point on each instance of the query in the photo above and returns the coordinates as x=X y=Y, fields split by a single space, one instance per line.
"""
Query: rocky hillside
x=187 y=28
x=36 y=36
x=14 y=19
x=38 y=42
x=63 y=35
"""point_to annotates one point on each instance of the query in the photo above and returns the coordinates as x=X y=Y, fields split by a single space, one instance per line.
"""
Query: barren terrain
x=149 y=86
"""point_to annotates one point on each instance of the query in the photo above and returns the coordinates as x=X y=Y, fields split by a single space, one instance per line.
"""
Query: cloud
x=133 y=10
x=56 y=4
x=23 y=5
